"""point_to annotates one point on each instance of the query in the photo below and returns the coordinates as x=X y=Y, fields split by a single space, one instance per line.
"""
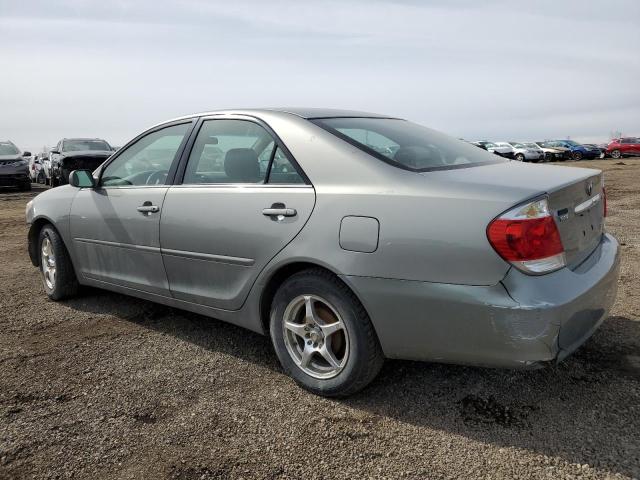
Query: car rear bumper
x=521 y=322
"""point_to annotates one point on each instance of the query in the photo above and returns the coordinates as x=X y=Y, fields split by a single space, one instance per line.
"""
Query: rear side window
x=405 y=144
x=237 y=151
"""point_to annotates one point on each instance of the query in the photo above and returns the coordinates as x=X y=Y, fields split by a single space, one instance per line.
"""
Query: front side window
x=147 y=161
x=405 y=144
x=237 y=151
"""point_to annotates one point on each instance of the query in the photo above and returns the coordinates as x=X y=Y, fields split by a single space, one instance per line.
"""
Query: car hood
x=11 y=157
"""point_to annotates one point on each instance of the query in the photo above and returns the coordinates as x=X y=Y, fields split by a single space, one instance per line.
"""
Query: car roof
x=309 y=113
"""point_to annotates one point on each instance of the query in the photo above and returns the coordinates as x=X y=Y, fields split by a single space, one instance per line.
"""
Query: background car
x=578 y=151
x=555 y=154
x=35 y=169
x=601 y=149
x=620 y=147
x=314 y=251
x=505 y=151
x=76 y=153
x=14 y=167
x=524 y=153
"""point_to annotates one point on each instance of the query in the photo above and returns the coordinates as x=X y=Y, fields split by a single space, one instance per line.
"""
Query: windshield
x=405 y=144
x=8 y=149
x=84 y=145
x=570 y=142
x=517 y=145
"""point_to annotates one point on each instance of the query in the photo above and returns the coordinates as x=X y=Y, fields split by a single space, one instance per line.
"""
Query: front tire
x=520 y=157
x=322 y=335
x=616 y=154
x=58 y=276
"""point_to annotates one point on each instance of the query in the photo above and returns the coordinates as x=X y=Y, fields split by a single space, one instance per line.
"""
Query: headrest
x=413 y=156
x=241 y=165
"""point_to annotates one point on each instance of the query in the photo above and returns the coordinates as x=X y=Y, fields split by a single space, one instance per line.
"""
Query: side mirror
x=81 y=179
x=26 y=154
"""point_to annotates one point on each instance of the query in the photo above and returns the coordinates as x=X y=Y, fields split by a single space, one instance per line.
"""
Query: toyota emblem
x=589 y=188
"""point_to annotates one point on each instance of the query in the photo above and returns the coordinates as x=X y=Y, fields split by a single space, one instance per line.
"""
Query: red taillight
x=518 y=240
x=528 y=238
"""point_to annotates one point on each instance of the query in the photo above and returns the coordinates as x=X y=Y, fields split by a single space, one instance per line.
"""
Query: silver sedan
x=347 y=237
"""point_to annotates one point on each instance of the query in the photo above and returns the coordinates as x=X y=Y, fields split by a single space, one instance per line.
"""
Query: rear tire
x=577 y=156
x=58 y=277
x=313 y=303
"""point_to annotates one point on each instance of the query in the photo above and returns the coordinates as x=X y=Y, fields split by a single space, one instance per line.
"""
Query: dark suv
x=77 y=154
x=14 y=167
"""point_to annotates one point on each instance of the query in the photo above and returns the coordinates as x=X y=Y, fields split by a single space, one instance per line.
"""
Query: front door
x=116 y=226
x=242 y=200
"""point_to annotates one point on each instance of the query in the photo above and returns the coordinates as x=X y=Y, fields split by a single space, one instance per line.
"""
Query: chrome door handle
x=277 y=212
x=148 y=209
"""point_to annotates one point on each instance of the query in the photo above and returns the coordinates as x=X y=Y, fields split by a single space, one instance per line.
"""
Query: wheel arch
x=280 y=274
x=34 y=233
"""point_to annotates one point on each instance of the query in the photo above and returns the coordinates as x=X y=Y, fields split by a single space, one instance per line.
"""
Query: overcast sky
x=500 y=70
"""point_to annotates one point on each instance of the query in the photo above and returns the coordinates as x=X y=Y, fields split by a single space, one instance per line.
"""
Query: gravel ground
x=106 y=386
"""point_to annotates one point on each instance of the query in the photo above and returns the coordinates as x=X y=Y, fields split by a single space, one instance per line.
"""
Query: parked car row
x=561 y=150
x=53 y=167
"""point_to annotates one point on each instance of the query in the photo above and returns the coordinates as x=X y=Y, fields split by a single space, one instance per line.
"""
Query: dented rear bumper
x=522 y=322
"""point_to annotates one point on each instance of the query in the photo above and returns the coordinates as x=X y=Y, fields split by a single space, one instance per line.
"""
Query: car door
x=242 y=199
x=116 y=226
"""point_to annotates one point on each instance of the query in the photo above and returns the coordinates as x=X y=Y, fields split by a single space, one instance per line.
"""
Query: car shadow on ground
x=568 y=411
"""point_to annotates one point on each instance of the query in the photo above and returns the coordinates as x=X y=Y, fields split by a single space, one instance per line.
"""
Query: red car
x=624 y=146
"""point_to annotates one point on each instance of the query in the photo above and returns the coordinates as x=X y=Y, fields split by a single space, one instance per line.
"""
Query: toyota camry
x=347 y=237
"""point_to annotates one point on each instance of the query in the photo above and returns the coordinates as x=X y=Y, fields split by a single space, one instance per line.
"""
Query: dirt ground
x=106 y=386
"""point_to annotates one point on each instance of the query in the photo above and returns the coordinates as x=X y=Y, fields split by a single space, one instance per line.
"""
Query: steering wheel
x=157 y=178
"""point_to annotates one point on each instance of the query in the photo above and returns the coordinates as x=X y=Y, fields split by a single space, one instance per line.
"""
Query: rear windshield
x=405 y=144
x=85 y=145
x=8 y=149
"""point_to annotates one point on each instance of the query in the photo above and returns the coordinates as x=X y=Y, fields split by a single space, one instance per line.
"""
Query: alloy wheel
x=48 y=261
x=315 y=336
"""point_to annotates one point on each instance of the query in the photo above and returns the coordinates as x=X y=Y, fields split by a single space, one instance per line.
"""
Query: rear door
x=242 y=199
x=116 y=226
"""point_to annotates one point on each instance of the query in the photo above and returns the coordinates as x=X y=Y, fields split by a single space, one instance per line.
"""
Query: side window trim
x=186 y=152
x=174 y=163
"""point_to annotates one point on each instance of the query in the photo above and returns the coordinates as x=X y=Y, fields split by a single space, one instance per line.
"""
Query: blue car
x=578 y=151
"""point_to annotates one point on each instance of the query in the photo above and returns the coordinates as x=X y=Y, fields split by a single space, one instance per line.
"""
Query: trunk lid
x=579 y=213
x=509 y=184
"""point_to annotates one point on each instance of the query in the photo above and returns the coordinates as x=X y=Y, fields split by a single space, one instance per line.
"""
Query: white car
x=523 y=153
x=504 y=150
x=46 y=168
x=35 y=168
